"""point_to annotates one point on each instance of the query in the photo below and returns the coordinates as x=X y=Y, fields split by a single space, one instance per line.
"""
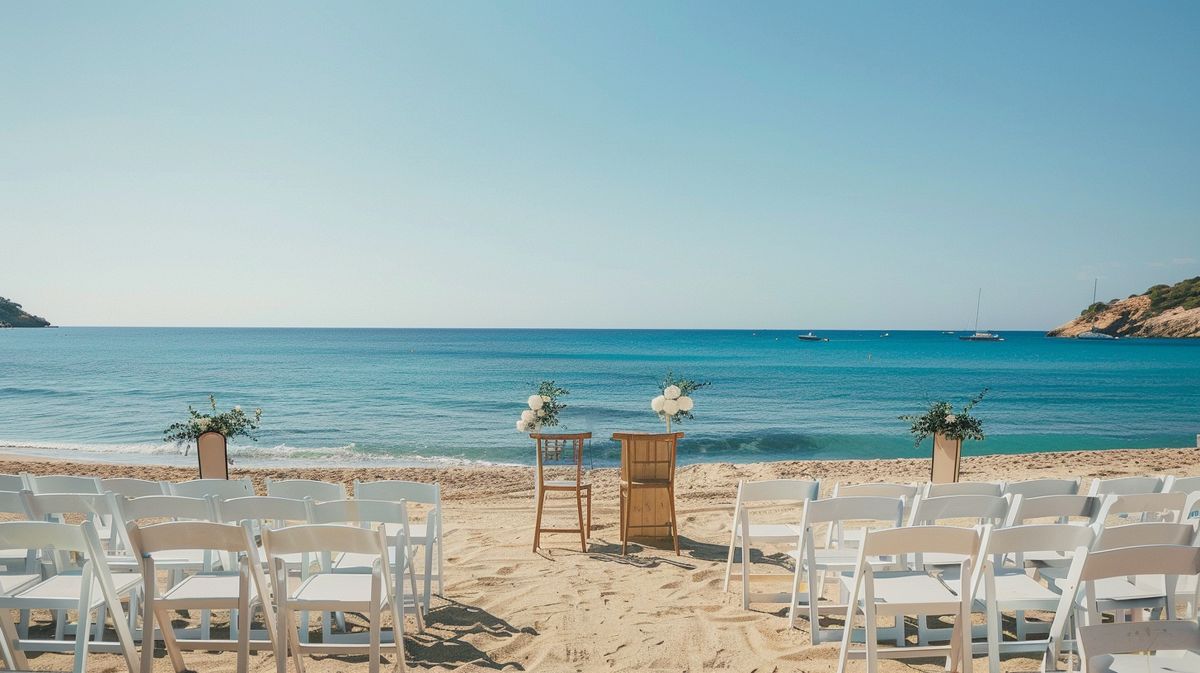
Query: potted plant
x=222 y=426
x=948 y=429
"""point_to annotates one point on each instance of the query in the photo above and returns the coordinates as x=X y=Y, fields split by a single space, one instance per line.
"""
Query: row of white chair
x=427 y=532
x=84 y=581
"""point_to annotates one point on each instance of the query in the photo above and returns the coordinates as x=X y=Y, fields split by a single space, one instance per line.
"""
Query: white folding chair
x=85 y=588
x=299 y=489
x=1037 y=488
x=427 y=534
x=20 y=566
x=1143 y=507
x=896 y=593
x=1166 y=562
x=14 y=482
x=133 y=488
x=56 y=483
x=1173 y=484
x=1145 y=647
x=1125 y=486
x=1077 y=509
x=771 y=494
x=852 y=536
x=221 y=489
x=819 y=564
x=333 y=592
x=240 y=589
x=1002 y=582
x=367 y=514
x=932 y=490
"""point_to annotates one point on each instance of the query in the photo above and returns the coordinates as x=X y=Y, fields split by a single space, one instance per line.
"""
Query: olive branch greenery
x=940 y=419
x=232 y=423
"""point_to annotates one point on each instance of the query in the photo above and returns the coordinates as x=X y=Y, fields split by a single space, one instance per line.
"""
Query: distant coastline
x=1163 y=311
x=13 y=315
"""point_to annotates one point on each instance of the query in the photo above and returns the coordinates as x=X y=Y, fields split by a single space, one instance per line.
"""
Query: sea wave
x=348 y=454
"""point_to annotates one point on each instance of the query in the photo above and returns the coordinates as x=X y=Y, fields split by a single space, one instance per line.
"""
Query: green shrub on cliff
x=11 y=315
x=1184 y=294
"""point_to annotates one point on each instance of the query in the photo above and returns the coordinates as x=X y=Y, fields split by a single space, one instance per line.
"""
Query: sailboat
x=1093 y=334
x=811 y=337
x=980 y=336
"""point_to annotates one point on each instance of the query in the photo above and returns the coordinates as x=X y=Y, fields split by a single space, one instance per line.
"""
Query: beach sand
x=560 y=609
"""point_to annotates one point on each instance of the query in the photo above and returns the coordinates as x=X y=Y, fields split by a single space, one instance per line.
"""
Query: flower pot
x=946 y=454
x=213 y=455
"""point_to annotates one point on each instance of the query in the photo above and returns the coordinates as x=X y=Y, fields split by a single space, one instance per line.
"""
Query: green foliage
x=11 y=315
x=941 y=419
x=544 y=407
x=686 y=388
x=1093 y=309
x=1184 y=294
x=232 y=423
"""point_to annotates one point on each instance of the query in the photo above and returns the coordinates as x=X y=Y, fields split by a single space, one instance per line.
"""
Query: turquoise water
x=349 y=396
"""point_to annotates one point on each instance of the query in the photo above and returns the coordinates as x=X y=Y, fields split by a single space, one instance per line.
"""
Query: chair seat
x=67 y=588
x=1013 y=586
x=939 y=559
x=352 y=562
x=12 y=583
x=211 y=588
x=418 y=531
x=905 y=589
x=1114 y=588
x=841 y=559
x=351 y=590
x=1170 y=662
x=567 y=484
x=763 y=532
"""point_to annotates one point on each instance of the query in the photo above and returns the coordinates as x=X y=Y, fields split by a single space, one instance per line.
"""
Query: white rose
x=520 y=426
x=545 y=398
x=671 y=407
x=541 y=413
x=527 y=416
x=535 y=402
x=202 y=423
x=657 y=404
x=949 y=418
x=685 y=403
x=237 y=407
x=671 y=392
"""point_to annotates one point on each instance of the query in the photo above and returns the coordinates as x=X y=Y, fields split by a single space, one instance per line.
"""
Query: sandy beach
x=507 y=608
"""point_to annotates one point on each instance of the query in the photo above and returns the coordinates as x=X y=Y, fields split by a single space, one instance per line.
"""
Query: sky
x=560 y=164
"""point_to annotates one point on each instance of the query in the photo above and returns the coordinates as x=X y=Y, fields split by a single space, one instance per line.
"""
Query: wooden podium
x=213 y=455
x=648 y=486
x=946 y=456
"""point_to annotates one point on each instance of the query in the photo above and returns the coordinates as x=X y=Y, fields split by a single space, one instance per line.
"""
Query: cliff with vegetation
x=11 y=315
x=1162 y=311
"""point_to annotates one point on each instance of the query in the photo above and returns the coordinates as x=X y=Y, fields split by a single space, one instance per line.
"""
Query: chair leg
x=82 y=629
x=243 y=621
x=375 y=617
x=429 y=542
x=745 y=572
x=674 y=520
x=624 y=523
x=589 y=512
x=14 y=658
x=579 y=512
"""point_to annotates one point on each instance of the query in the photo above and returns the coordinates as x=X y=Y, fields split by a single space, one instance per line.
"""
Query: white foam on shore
x=248 y=455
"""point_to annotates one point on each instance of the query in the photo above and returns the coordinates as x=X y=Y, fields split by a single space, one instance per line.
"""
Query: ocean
x=452 y=396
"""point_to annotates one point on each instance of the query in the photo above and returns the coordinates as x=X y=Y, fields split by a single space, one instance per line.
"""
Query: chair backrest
x=409 y=491
x=1098 y=642
x=779 y=490
x=999 y=544
x=13 y=502
x=1060 y=507
x=222 y=489
x=272 y=510
x=299 y=489
x=920 y=540
x=60 y=537
x=1037 y=488
x=316 y=538
x=1173 y=484
x=932 y=490
x=1142 y=534
x=1159 y=506
x=867 y=511
x=983 y=508
x=885 y=490
x=133 y=488
x=180 y=535
x=13 y=482
x=1125 y=486
x=167 y=507
x=363 y=513
x=93 y=508
x=57 y=483
x=561 y=450
x=648 y=456
x=1171 y=561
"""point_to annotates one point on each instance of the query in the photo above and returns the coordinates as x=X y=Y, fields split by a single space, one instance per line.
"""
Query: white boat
x=1094 y=334
x=980 y=336
x=810 y=337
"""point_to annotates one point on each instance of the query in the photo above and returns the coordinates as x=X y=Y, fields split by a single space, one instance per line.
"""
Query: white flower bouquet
x=544 y=408
x=675 y=403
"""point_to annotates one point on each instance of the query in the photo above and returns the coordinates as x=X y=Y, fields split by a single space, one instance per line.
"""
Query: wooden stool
x=562 y=451
x=648 y=485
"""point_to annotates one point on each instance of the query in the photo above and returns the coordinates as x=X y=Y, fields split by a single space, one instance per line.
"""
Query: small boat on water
x=977 y=335
x=884 y=335
x=1094 y=334
x=811 y=337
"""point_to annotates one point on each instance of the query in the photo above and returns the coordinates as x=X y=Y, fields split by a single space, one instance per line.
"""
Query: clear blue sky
x=603 y=165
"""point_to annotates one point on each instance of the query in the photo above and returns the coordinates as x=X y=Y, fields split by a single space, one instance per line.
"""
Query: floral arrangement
x=940 y=419
x=675 y=403
x=544 y=407
x=232 y=423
